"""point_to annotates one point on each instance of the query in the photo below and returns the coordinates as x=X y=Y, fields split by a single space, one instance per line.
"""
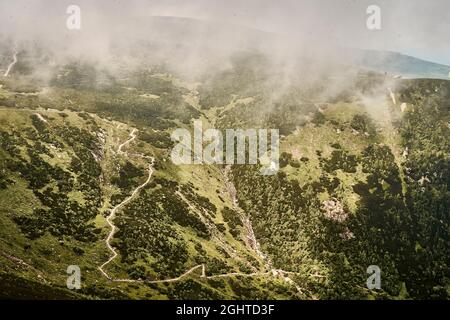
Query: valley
x=87 y=179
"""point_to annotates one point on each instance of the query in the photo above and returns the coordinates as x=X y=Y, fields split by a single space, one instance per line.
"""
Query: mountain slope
x=363 y=181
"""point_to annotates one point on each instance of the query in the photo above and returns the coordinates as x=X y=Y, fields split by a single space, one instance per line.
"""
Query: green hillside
x=363 y=180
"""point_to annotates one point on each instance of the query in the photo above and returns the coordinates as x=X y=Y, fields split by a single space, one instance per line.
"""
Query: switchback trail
x=112 y=215
x=271 y=272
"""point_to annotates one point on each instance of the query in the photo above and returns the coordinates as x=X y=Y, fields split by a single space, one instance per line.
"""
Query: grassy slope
x=49 y=256
x=126 y=106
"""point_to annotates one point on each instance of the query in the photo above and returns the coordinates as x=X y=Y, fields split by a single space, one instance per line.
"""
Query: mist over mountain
x=88 y=183
x=194 y=47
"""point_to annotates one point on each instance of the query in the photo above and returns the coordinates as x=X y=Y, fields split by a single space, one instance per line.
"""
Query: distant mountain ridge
x=391 y=62
x=400 y=64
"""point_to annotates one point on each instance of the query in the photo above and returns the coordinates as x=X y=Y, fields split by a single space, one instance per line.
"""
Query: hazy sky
x=417 y=27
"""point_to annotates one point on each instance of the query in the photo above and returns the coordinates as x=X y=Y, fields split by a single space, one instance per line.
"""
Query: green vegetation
x=354 y=188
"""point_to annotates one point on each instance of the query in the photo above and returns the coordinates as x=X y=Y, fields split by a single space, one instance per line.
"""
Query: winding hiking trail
x=270 y=271
x=12 y=63
x=112 y=215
